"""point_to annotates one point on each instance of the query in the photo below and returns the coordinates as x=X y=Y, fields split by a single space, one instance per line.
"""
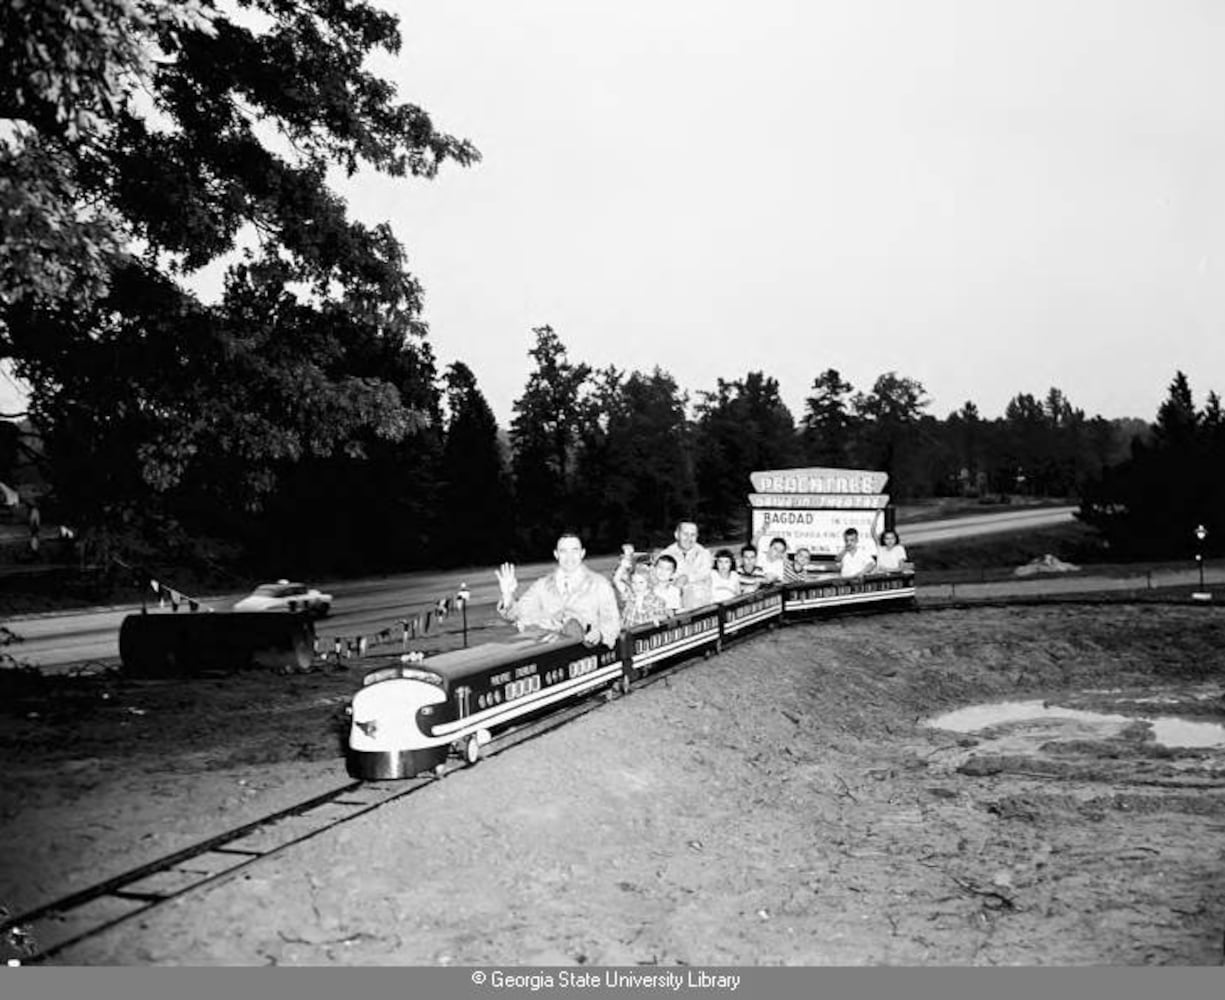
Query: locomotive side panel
x=542 y=677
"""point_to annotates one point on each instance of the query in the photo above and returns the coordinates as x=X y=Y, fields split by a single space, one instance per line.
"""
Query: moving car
x=286 y=596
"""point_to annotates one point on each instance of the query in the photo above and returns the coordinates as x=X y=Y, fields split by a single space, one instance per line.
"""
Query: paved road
x=986 y=524
x=54 y=642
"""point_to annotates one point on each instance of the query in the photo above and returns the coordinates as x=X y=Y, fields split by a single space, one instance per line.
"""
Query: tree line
x=623 y=455
x=1171 y=483
x=301 y=422
x=615 y=455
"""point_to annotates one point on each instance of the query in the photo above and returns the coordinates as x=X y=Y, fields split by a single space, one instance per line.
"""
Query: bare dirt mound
x=784 y=802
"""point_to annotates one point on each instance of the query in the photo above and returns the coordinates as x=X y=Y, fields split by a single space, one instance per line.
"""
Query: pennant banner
x=165 y=593
x=414 y=627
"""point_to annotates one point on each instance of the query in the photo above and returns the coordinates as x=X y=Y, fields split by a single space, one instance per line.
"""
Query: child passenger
x=798 y=570
x=669 y=592
x=724 y=581
x=774 y=561
x=625 y=567
x=891 y=556
x=643 y=606
x=752 y=576
x=854 y=560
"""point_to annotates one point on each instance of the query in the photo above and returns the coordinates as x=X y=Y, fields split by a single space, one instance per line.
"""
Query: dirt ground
x=785 y=802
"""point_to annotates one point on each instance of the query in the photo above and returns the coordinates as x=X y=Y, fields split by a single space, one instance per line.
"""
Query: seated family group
x=577 y=602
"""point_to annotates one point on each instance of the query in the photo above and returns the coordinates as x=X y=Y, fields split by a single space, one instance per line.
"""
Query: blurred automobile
x=286 y=596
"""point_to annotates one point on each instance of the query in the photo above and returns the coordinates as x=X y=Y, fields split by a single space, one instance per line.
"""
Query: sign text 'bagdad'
x=819 y=481
x=818 y=531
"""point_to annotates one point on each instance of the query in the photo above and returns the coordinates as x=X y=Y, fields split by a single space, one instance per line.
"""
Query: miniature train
x=409 y=717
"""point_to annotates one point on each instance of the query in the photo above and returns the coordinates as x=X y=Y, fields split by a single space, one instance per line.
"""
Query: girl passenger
x=891 y=556
x=724 y=581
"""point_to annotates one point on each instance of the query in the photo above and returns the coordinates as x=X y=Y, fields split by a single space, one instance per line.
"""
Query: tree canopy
x=1151 y=504
x=149 y=139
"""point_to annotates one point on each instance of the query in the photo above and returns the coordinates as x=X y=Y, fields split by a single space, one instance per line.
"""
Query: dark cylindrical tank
x=176 y=644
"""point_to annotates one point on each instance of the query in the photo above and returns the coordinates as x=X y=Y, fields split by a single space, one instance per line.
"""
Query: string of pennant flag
x=169 y=595
x=404 y=630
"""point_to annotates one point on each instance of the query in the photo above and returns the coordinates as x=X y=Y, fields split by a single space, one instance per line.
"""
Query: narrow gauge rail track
x=50 y=929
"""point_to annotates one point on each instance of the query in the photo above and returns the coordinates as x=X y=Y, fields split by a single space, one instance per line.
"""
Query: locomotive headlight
x=401 y=672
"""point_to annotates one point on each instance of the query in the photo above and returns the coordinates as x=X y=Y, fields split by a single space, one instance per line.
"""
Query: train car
x=679 y=637
x=833 y=593
x=407 y=718
x=748 y=613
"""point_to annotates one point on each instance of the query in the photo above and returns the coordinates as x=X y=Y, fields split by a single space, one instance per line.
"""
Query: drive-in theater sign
x=811 y=508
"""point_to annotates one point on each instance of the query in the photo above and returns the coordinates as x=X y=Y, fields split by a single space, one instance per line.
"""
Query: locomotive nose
x=386 y=735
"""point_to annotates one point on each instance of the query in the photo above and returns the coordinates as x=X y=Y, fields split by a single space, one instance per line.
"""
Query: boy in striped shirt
x=751 y=575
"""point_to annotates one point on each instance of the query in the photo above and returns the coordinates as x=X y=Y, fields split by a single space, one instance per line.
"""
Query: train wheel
x=472 y=749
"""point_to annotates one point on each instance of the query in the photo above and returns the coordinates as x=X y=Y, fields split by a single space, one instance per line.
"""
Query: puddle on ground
x=1182 y=733
x=1041 y=719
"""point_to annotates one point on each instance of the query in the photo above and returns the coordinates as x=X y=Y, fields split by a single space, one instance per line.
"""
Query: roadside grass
x=986 y=558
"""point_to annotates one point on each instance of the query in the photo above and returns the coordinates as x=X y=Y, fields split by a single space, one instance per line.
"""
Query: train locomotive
x=408 y=718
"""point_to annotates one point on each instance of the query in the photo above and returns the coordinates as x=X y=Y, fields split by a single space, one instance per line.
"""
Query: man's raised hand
x=506 y=581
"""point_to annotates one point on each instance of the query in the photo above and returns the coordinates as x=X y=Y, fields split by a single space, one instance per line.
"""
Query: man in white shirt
x=570 y=594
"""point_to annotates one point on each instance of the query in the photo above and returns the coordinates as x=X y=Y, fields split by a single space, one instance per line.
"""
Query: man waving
x=572 y=600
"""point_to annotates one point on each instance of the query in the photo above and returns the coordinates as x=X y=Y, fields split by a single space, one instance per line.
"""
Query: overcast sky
x=989 y=197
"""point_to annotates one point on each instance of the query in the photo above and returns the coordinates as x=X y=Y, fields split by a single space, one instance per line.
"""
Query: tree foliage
x=741 y=426
x=477 y=505
x=1151 y=504
x=828 y=427
x=545 y=434
x=888 y=421
x=636 y=464
x=66 y=71
x=152 y=139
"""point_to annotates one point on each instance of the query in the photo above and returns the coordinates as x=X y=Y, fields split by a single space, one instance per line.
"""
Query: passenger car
x=286 y=596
